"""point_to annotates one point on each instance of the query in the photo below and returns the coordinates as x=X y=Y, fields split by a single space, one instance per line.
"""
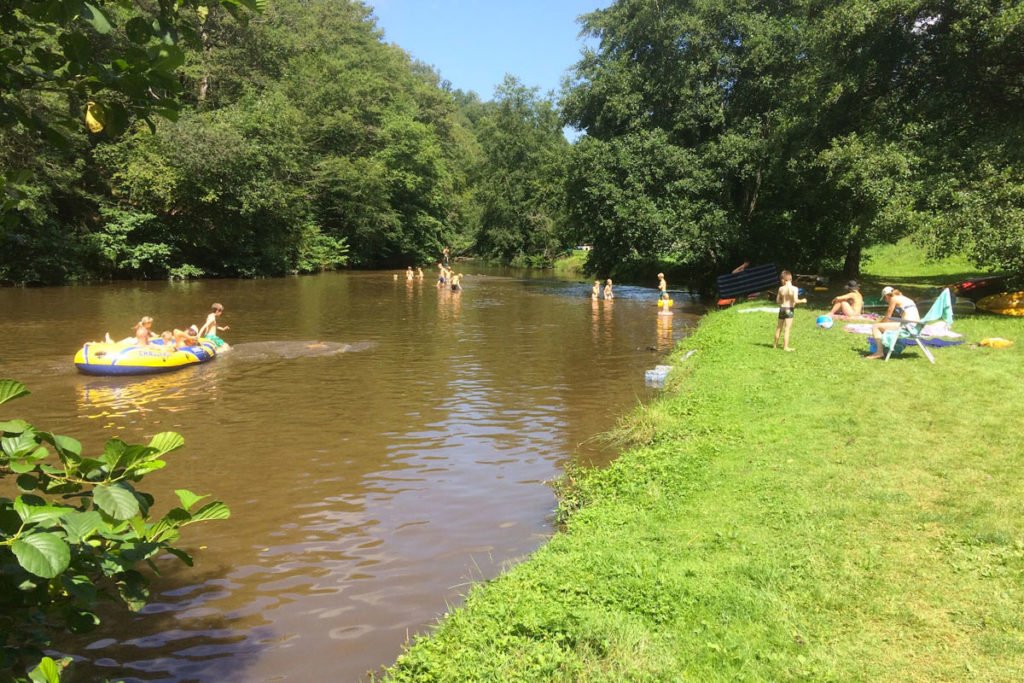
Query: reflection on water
x=389 y=445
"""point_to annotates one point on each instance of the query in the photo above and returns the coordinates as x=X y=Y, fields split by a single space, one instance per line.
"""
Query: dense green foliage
x=303 y=142
x=520 y=192
x=76 y=534
x=798 y=131
x=779 y=516
x=714 y=132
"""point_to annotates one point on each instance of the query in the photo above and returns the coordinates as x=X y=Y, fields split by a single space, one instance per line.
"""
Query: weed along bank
x=778 y=515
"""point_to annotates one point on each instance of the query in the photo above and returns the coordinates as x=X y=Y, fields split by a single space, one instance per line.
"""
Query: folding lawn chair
x=941 y=310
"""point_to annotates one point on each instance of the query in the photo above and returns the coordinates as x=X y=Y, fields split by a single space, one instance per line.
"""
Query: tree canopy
x=797 y=131
x=296 y=139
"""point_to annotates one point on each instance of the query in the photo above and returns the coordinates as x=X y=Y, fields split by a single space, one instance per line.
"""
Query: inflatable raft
x=1007 y=303
x=131 y=359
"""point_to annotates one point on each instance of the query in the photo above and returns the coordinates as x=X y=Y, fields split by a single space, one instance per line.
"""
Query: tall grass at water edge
x=807 y=515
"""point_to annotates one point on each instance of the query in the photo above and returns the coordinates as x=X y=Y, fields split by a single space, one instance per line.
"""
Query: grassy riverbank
x=780 y=515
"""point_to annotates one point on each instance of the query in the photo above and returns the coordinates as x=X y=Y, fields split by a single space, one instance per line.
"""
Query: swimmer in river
x=456 y=282
x=441 y=272
x=595 y=292
x=409 y=275
x=608 y=290
x=666 y=304
x=419 y=273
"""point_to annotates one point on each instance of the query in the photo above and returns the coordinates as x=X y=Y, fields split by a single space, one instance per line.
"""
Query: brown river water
x=381 y=444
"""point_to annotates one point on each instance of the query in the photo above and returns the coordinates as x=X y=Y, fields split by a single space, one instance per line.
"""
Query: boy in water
x=596 y=290
x=441 y=271
x=209 y=328
x=608 y=290
x=456 y=279
x=662 y=285
x=787 y=298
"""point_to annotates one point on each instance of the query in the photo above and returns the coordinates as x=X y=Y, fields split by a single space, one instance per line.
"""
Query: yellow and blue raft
x=131 y=359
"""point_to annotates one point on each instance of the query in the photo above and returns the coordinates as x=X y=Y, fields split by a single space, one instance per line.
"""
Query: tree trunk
x=851 y=267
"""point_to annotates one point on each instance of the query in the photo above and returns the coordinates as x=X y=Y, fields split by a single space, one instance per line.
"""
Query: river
x=381 y=444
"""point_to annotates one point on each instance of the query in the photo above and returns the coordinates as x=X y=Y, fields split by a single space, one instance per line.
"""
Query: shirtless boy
x=787 y=298
x=209 y=328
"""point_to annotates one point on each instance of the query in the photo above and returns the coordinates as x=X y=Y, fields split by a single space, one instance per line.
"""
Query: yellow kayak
x=1007 y=303
x=131 y=359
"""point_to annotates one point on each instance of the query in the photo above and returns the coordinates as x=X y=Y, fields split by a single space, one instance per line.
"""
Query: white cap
x=886 y=291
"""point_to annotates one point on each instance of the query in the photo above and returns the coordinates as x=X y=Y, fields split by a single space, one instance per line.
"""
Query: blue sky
x=474 y=43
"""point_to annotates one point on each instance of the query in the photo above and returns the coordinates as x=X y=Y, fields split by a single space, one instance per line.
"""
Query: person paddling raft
x=210 y=328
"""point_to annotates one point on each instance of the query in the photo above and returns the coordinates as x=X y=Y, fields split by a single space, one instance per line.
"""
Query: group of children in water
x=172 y=340
x=596 y=291
x=445 y=276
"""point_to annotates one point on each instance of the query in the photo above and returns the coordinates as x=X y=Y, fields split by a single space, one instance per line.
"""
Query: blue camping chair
x=941 y=310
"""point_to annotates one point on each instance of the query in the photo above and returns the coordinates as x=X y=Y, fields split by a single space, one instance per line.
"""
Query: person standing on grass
x=787 y=298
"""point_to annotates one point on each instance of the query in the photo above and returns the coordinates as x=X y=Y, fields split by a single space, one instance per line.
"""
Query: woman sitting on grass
x=850 y=304
x=901 y=308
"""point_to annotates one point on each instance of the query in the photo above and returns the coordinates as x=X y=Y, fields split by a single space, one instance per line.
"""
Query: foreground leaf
x=10 y=389
x=116 y=501
x=43 y=554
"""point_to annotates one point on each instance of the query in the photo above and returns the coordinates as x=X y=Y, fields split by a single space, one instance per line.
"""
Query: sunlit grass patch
x=782 y=515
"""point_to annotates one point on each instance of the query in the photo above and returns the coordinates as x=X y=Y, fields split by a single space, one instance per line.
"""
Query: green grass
x=571 y=265
x=808 y=515
x=906 y=264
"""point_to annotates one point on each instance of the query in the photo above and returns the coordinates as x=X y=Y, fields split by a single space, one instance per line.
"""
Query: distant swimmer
x=662 y=285
x=441 y=272
x=456 y=282
x=665 y=304
x=608 y=290
x=419 y=273
x=409 y=275
x=595 y=292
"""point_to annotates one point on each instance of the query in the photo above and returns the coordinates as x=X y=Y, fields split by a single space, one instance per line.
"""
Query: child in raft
x=665 y=304
x=608 y=290
x=210 y=328
x=595 y=292
x=189 y=337
x=787 y=298
x=141 y=336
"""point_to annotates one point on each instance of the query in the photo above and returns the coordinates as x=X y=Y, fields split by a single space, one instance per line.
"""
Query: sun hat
x=886 y=291
x=193 y=330
x=851 y=285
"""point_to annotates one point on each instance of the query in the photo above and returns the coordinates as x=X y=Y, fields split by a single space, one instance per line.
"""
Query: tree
x=819 y=129
x=76 y=534
x=520 y=191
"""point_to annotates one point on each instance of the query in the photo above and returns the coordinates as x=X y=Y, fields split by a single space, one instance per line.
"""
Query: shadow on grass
x=942 y=280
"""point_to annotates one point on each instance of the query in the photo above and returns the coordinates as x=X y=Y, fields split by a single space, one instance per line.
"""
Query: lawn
x=807 y=515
